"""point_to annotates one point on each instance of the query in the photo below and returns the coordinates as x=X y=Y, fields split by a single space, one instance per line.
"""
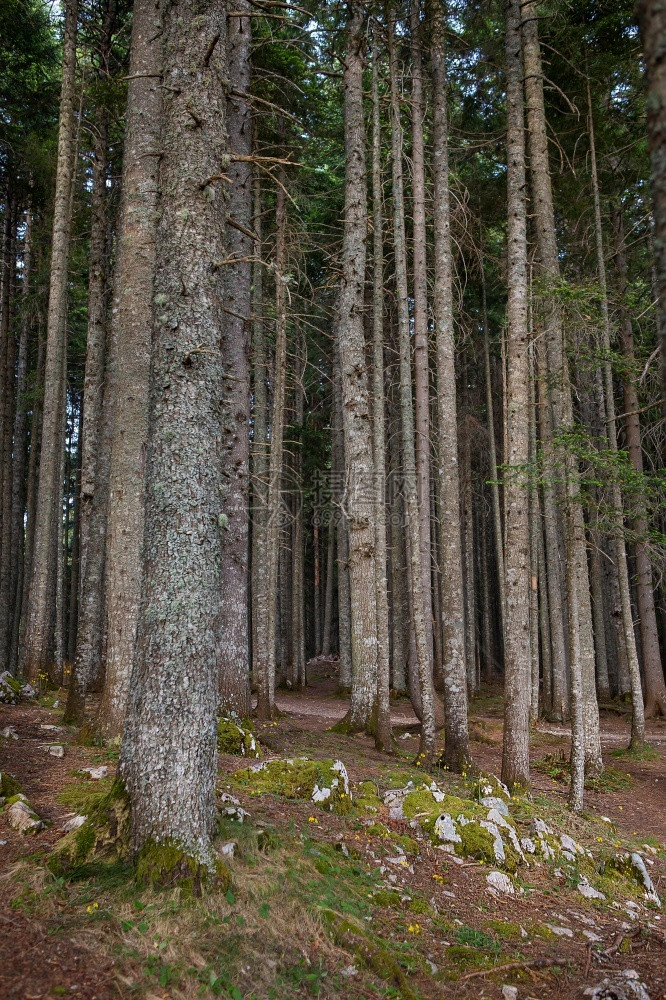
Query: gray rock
x=624 y=985
x=494 y=802
x=500 y=882
x=585 y=889
x=510 y=992
x=73 y=824
x=638 y=864
x=445 y=829
x=560 y=931
x=22 y=817
x=96 y=773
x=9 y=733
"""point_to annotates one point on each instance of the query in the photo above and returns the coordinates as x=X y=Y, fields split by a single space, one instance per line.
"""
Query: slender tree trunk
x=535 y=527
x=259 y=418
x=655 y=689
x=420 y=334
x=7 y=472
x=494 y=483
x=235 y=653
x=91 y=541
x=620 y=571
x=359 y=468
x=267 y=608
x=74 y=575
x=38 y=657
x=342 y=539
x=383 y=725
x=423 y=662
x=515 y=750
x=456 y=750
x=129 y=360
x=652 y=19
x=169 y=755
x=20 y=444
x=328 y=591
x=558 y=365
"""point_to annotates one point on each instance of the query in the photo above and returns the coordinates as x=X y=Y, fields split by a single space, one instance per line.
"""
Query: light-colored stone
x=560 y=931
x=624 y=985
x=500 y=882
x=73 y=824
x=23 y=818
x=585 y=889
x=9 y=733
x=509 y=992
x=96 y=773
x=495 y=802
x=445 y=829
x=638 y=864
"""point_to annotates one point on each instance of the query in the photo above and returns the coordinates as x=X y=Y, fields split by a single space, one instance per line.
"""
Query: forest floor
x=357 y=905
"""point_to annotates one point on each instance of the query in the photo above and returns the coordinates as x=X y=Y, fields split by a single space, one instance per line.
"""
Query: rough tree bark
x=409 y=474
x=456 y=750
x=358 y=493
x=129 y=360
x=235 y=653
x=383 y=724
x=655 y=689
x=515 y=748
x=169 y=755
x=38 y=640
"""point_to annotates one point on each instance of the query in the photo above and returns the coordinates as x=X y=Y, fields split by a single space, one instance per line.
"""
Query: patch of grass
x=84 y=795
x=640 y=753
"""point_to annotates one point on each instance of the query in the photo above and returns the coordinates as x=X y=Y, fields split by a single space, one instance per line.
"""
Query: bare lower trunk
x=267 y=604
x=383 y=723
x=38 y=656
x=235 y=652
x=169 y=753
x=409 y=478
x=359 y=468
x=655 y=689
x=515 y=750
x=129 y=360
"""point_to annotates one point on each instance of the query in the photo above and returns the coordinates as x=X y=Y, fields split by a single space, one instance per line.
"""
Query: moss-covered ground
x=330 y=903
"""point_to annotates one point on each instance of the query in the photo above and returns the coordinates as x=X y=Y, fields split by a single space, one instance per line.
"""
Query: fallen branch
x=535 y=963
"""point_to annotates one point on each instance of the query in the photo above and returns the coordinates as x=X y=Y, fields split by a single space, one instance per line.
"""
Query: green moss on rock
x=9 y=786
x=105 y=833
x=323 y=782
x=237 y=739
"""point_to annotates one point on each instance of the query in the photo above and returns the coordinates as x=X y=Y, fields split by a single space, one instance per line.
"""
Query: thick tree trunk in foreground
x=456 y=749
x=129 y=360
x=169 y=753
x=409 y=476
x=359 y=469
x=515 y=750
x=235 y=652
x=38 y=659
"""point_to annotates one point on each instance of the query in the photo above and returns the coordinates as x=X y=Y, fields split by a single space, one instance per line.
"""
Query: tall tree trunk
x=235 y=652
x=42 y=598
x=169 y=754
x=420 y=333
x=456 y=749
x=328 y=590
x=259 y=419
x=94 y=477
x=652 y=19
x=342 y=538
x=515 y=749
x=359 y=469
x=20 y=444
x=129 y=360
x=7 y=365
x=267 y=605
x=620 y=571
x=655 y=689
x=383 y=724
x=558 y=365
x=409 y=474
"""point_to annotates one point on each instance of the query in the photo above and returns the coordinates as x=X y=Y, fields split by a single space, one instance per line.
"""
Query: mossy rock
x=505 y=929
x=8 y=786
x=366 y=797
x=477 y=843
x=466 y=957
x=237 y=739
x=10 y=689
x=105 y=833
x=425 y=805
x=323 y=782
x=166 y=865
